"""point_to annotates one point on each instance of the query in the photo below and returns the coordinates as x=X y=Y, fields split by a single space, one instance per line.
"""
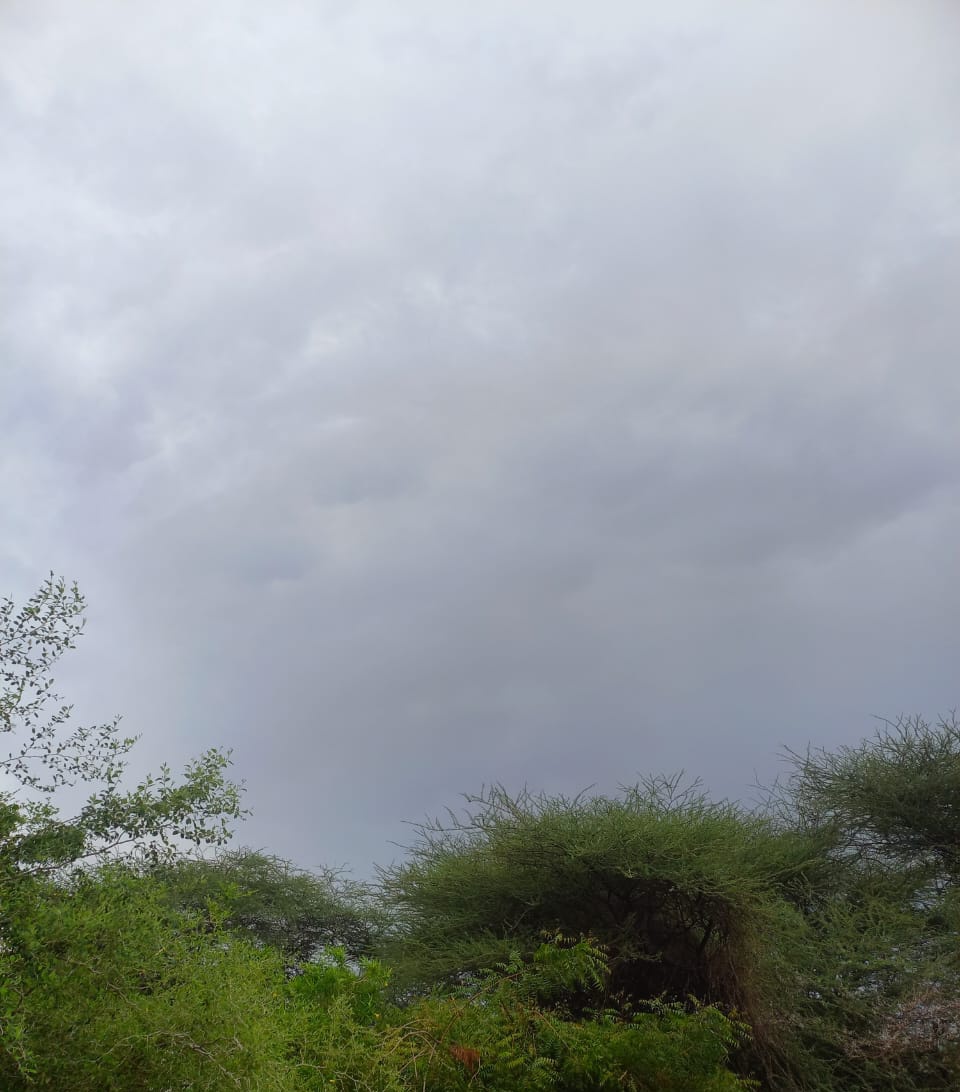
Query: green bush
x=111 y=991
x=494 y=1033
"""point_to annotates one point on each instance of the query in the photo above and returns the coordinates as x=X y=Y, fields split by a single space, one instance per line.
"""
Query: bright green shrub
x=341 y=1028
x=114 y=992
x=493 y=1033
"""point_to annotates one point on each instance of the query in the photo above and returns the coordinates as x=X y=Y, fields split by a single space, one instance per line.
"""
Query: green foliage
x=103 y=987
x=153 y=818
x=47 y=754
x=893 y=796
x=332 y=976
x=108 y=989
x=494 y=1033
x=500 y=1035
x=844 y=969
x=831 y=932
x=877 y=956
x=682 y=892
x=266 y=898
x=669 y=1049
x=342 y=1028
x=655 y=940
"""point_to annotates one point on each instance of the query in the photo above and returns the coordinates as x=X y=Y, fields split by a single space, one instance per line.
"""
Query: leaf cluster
x=494 y=1033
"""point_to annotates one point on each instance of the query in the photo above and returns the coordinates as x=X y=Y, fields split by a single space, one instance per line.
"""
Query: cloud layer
x=432 y=394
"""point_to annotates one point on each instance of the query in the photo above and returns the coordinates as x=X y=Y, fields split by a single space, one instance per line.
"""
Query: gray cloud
x=427 y=395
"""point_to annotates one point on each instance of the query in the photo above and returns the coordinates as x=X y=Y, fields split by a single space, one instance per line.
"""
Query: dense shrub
x=110 y=990
x=493 y=1033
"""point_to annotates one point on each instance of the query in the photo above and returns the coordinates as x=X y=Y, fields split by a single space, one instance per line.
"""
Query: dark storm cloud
x=426 y=395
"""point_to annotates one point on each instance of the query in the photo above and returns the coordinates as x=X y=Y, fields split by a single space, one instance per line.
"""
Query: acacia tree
x=279 y=905
x=893 y=798
x=686 y=896
x=889 y=990
x=827 y=920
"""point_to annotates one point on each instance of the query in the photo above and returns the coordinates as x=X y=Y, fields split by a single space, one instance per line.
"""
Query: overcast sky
x=431 y=394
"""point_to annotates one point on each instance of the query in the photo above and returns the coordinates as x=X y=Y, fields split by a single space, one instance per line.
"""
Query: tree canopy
x=266 y=898
x=654 y=939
